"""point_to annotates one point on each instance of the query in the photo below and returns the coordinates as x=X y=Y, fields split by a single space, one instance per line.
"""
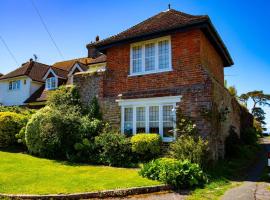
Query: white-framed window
x=151 y=56
x=152 y=115
x=51 y=83
x=14 y=85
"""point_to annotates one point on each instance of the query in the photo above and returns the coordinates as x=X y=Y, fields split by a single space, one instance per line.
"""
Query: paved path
x=252 y=189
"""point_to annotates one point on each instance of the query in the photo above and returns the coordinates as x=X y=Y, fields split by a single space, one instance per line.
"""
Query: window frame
x=49 y=80
x=160 y=102
x=14 y=85
x=156 y=68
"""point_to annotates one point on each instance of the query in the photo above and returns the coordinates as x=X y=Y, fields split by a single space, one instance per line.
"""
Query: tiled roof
x=68 y=64
x=60 y=72
x=163 y=21
x=161 y=24
x=32 y=69
x=38 y=96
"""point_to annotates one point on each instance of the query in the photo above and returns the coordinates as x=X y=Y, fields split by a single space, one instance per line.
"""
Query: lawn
x=24 y=174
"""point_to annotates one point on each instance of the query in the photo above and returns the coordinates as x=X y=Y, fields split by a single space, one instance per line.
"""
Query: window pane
x=18 y=84
x=149 y=57
x=154 y=119
x=140 y=119
x=168 y=120
x=163 y=54
x=137 y=59
x=10 y=86
x=53 y=83
x=128 y=121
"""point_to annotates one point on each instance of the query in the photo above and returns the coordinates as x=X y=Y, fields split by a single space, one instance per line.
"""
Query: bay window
x=154 y=115
x=151 y=56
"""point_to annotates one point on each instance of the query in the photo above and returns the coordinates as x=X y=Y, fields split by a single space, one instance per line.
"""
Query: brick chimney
x=92 y=50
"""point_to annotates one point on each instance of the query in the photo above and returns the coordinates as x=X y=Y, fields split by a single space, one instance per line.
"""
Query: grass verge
x=25 y=174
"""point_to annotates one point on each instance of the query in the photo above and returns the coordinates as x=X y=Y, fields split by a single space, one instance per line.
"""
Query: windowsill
x=168 y=139
x=150 y=72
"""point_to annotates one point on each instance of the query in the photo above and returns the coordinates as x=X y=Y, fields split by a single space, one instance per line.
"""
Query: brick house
x=169 y=61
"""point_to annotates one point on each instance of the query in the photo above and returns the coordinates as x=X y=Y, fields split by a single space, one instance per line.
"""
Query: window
x=51 y=83
x=137 y=59
x=151 y=56
x=14 y=85
x=155 y=115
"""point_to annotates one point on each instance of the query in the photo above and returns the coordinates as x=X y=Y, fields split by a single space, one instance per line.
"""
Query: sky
x=243 y=25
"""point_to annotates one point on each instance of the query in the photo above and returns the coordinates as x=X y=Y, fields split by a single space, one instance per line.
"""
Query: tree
x=259 y=99
x=232 y=91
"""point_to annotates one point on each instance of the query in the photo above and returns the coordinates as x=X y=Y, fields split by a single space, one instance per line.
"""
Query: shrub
x=93 y=109
x=147 y=146
x=179 y=174
x=53 y=133
x=249 y=136
x=114 y=149
x=10 y=125
x=232 y=142
x=21 y=136
x=190 y=148
x=64 y=97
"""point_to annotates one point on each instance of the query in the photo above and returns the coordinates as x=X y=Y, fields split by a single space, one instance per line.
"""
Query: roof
x=60 y=72
x=32 y=69
x=68 y=64
x=38 y=96
x=162 y=23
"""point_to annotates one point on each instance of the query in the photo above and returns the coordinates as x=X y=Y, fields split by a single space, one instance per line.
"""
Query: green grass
x=225 y=174
x=25 y=174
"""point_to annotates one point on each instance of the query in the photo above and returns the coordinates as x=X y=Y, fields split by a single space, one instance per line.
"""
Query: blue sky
x=243 y=25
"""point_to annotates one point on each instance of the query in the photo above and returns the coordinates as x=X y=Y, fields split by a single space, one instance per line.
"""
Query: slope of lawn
x=25 y=174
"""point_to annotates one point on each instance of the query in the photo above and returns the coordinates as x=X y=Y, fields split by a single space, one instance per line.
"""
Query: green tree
x=232 y=91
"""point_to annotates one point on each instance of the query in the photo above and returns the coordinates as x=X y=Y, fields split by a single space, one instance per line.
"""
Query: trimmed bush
x=232 y=142
x=188 y=147
x=146 y=146
x=10 y=125
x=249 y=136
x=179 y=174
x=113 y=149
x=53 y=133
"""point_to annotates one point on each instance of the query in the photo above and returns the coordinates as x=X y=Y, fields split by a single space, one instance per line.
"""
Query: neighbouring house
x=20 y=84
x=29 y=84
x=170 y=61
x=62 y=73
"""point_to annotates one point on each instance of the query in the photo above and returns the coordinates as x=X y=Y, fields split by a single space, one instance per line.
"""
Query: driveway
x=252 y=188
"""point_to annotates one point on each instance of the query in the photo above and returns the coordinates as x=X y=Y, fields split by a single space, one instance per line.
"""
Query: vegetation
x=190 y=148
x=232 y=90
x=179 y=174
x=10 y=125
x=113 y=149
x=146 y=146
x=25 y=174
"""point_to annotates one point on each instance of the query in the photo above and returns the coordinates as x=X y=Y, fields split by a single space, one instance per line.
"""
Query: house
x=18 y=85
x=29 y=84
x=170 y=61
x=61 y=73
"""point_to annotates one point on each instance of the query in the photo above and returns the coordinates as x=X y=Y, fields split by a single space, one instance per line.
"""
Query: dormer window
x=151 y=56
x=51 y=83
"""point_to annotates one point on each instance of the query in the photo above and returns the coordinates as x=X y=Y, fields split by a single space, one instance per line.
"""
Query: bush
x=21 y=136
x=10 y=125
x=190 y=148
x=249 y=136
x=179 y=174
x=232 y=142
x=64 y=97
x=53 y=133
x=146 y=146
x=113 y=149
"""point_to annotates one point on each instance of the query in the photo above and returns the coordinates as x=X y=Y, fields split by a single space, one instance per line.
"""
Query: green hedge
x=10 y=125
x=179 y=174
x=146 y=146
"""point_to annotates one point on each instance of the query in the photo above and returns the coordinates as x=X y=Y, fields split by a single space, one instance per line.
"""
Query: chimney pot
x=97 y=38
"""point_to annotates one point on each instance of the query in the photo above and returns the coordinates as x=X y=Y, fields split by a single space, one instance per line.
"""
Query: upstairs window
x=151 y=56
x=14 y=85
x=51 y=83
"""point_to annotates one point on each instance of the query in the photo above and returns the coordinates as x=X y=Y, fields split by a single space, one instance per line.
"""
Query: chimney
x=97 y=38
x=31 y=59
